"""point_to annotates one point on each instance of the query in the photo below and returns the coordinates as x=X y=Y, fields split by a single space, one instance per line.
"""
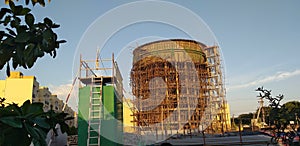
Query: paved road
x=256 y=140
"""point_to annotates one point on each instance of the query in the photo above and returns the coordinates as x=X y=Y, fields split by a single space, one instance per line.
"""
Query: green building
x=100 y=108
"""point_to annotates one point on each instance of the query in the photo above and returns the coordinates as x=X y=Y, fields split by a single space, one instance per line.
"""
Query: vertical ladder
x=95 y=112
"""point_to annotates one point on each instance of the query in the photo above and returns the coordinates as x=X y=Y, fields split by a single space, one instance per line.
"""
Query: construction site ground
x=257 y=139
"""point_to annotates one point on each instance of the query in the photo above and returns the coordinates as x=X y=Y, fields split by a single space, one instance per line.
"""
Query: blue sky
x=259 y=41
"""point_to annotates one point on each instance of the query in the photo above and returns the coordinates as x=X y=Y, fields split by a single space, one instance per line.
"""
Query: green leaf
x=12 y=121
x=69 y=118
x=12 y=5
x=7 y=69
x=55 y=25
x=41 y=122
x=2 y=33
x=38 y=52
x=19 y=54
x=3 y=11
x=11 y=31
x=29 y=49
x=41 y=25
x=15 y=63
x=47 y=34
x=9 y=41
x=29 y=19
x=30 y=129
x=16 y=108
x=22 y=28
x=25 y=11
x=31 y=110
x=9 y=111
x=17 y=19
x=30 y=62
x=48 y=21
x=18 y=10
x=61 y=41
x=15 y=137
x=1 y=65
x=25 y=107
x=36 y=107
x=64 y=127
x=41 y=141
x=14 y=24
x=22 y=37
x=7 y=20
x=36 y=142
x=5 y=54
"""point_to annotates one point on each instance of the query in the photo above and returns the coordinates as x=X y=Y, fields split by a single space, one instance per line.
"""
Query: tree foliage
x=28 y=123
x=41 y=2
x=244 y=118
x=266 y=94
x=290 y=111
x=280 y=115
x=22 y=43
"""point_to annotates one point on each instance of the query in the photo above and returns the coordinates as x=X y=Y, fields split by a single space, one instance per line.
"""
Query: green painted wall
x=83 y=113
x=109 y=125
x=112 y=129
x=109 y=101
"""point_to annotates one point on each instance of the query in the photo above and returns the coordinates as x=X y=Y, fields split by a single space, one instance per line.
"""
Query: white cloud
x=276 y=77
x=62 y=92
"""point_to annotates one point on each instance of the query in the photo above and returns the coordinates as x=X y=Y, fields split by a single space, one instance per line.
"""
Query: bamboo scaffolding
x=170 y=82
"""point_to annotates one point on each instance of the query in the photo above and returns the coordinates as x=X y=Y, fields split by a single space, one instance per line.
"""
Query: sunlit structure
x=100 y=107
x=178 y=87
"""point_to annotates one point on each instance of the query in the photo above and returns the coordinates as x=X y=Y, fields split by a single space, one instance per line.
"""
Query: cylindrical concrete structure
x=169 y=79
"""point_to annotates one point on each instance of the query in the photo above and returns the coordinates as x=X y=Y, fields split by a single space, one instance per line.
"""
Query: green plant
x=28 y=123
x=22 y=43
x=279 y=114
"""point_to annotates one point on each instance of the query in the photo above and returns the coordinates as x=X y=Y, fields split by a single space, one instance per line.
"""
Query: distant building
x=222 y=122
x=43 y=96
x=18 y=88
x=128 y=116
